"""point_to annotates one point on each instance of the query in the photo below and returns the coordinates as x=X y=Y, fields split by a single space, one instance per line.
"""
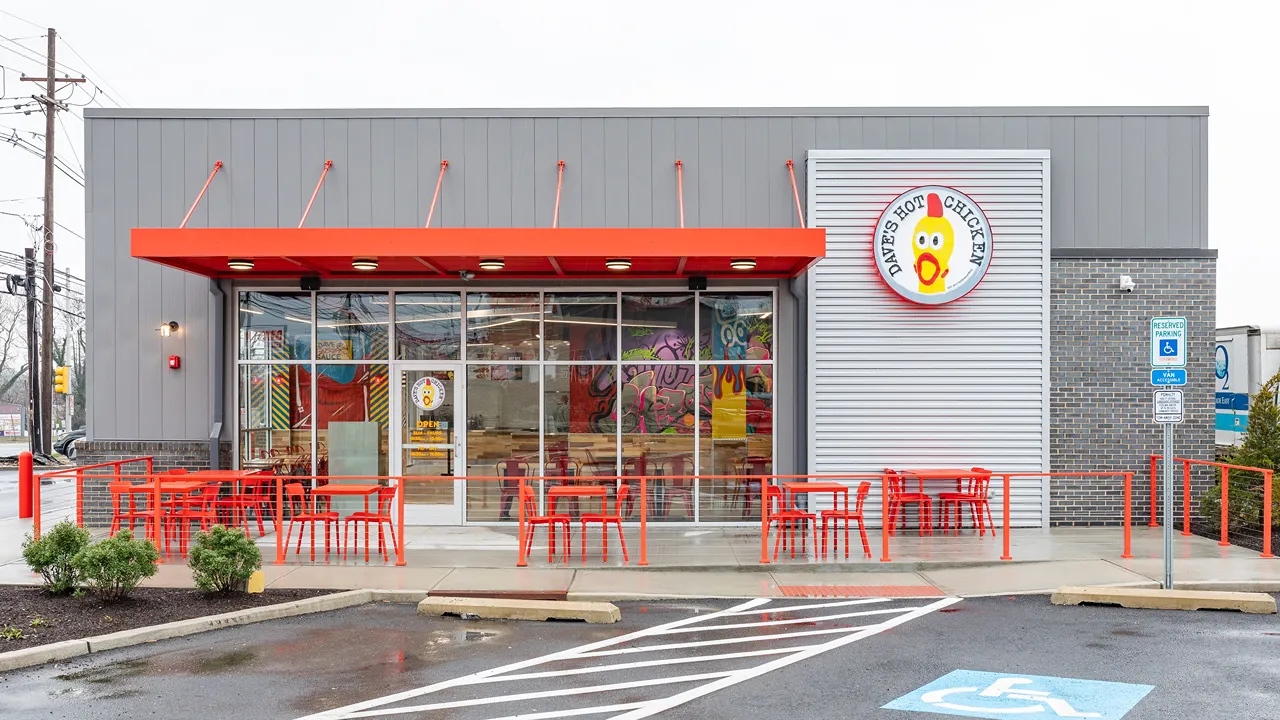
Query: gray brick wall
x=1100 y=398
x=168 y=454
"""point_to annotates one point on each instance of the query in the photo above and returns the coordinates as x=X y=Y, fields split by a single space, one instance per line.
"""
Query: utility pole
x=45 y=372
x=34 y=419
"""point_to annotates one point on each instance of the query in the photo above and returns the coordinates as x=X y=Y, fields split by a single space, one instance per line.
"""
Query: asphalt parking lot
x=692 y=659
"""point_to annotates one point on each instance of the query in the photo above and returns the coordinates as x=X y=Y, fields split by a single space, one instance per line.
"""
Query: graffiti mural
x=658 y=399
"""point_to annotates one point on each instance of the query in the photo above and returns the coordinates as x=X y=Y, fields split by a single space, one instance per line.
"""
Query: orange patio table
x=332 y=489
x=166 y=486
x=575 y=491
x=836 y=489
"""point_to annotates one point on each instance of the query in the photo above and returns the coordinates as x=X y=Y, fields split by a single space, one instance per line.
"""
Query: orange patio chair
x=605 y=519
x=899 y=499
x=530 y=502
x=297 y=502
x=975 y=493
x=386 y=500
x=837 y=515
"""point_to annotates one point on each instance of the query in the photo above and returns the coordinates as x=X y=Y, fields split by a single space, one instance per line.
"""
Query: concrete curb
x=1167 y=599
x=137 y=636
x=41 y=654
x=1250 y=586
x=411 y=597
x=505 y=609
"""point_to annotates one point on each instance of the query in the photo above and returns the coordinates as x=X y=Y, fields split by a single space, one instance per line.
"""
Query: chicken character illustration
x=932 y=242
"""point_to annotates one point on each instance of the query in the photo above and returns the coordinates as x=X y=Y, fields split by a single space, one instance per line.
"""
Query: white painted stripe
x=598 y=709
x=634 y=665
x=726 y=641
x=814 y=606
x=792 y=621
x=345 y=712
x=657 y=706
x=385 y=712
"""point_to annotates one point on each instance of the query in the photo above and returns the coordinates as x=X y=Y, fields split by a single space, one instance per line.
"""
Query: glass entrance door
x=428 y=442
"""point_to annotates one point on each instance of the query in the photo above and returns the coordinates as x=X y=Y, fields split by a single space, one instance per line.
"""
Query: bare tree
x=13 y=348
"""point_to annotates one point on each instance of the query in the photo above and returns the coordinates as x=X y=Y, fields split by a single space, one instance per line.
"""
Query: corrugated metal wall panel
x=966 y=384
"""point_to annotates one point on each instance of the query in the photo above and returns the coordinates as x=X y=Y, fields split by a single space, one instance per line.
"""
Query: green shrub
x=112 y=568
x=52 y=556
x=223 y=559
x=11 y=633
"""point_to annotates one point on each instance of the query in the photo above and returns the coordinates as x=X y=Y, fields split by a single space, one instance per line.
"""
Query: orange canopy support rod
x=444 y=165
x=327 y=164
x=555 y=217
x=791 y=169
x=216 y=167
x=680 y=188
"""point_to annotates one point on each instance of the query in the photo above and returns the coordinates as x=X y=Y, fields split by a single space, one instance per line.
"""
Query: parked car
x=66 y=444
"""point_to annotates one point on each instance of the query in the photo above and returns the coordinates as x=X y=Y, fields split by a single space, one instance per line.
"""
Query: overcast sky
x=512 y=53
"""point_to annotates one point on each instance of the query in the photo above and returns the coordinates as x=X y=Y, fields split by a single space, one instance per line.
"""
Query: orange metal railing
x=115 y=465
x=1225 y=469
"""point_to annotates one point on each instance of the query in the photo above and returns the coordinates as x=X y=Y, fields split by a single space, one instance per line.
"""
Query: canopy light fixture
x=618 y=264
x=365 y=263
x=743 y=264
x=492 y=264
x=169 y=328
x=240 y=264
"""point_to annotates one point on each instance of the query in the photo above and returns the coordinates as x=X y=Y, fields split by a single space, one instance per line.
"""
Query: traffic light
x=60 y=383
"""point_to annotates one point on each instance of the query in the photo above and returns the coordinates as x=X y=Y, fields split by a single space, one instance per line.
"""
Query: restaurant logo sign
x=428 y=393
x=932 y=245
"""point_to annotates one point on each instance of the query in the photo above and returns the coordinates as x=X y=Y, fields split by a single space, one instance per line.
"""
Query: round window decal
x=932 y=245
x=428 y=393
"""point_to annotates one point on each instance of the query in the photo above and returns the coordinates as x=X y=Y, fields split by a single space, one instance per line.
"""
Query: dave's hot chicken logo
x=932 y=244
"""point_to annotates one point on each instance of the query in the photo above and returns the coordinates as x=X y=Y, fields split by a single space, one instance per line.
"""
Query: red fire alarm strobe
x=175 y=362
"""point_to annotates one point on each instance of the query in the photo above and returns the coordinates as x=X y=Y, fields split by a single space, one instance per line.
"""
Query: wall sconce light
x=168 y=328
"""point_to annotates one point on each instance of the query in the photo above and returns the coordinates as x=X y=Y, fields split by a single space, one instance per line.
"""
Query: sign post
x=1168 y=363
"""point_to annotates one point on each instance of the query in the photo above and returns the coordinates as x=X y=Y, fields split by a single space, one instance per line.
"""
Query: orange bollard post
x=1007 y=554
x=26 y=497
x=521 y=530
x=280 y=520
x=1266 y=515
x=644 y=514
x=1223 y=541
x=884 y=519
x=1186 y=499
x=400 y=490
x=1153 y=522
x=1127 y=552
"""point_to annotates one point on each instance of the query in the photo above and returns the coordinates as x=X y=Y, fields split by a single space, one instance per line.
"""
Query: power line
x=20 y=19
x=72 y=145
x=99 y=75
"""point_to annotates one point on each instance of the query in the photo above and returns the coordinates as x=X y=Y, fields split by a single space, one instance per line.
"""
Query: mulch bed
x=59 y=618
x=1250 y=538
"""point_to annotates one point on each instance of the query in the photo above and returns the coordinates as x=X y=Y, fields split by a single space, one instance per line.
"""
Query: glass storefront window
x=579 y=419
x=502 y=326
x=351 y=326
x=580 y=327
x=657 y=326
x=736 y=327
x=735 y=437
x=275 y=326
x=275 y=418
x=428 y=326
x=502 y=432
x=352 y=412
x=657 y=410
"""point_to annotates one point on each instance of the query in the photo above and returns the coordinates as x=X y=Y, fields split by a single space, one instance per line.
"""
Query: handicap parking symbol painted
x=968 y=693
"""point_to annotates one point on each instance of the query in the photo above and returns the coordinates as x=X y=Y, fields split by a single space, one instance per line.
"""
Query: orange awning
x=441 y=252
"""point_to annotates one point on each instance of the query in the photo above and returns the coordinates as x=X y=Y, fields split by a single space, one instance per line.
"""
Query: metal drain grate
x=822 y=591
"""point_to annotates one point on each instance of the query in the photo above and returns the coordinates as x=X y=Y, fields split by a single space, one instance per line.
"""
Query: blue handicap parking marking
x=970 y=693
x=1168 y=348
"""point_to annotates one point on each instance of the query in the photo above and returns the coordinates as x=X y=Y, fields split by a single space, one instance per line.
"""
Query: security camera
x=1126 y=284
x=466 y=275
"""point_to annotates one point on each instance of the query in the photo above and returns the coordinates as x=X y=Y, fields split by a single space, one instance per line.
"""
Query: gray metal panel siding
x=965 y=384
x=1131 y=178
